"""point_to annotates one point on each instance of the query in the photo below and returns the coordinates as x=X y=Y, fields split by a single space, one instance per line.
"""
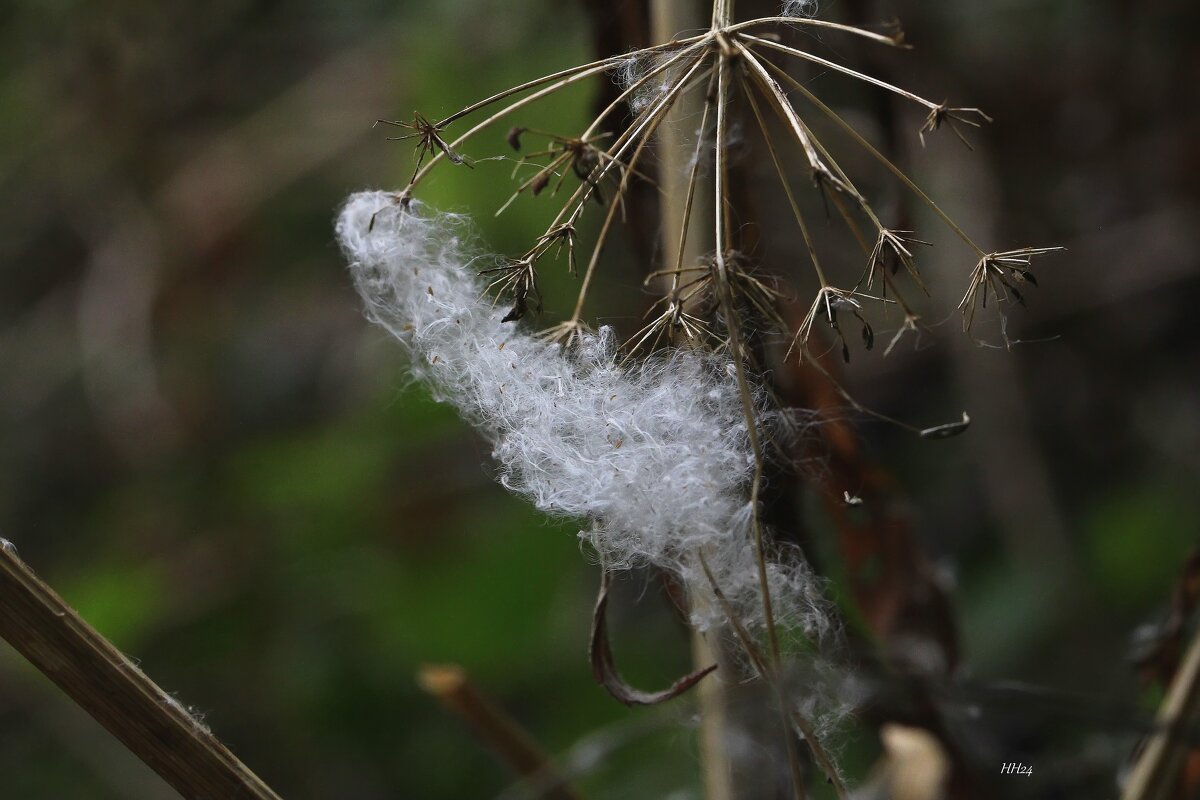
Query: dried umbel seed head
x=664 y=454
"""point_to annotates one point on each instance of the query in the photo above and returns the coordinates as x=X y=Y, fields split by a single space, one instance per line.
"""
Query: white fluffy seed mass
x=654 y=454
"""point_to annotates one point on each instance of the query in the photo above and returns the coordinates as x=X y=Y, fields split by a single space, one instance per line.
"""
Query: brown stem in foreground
x=114 y=691
x=503 y=735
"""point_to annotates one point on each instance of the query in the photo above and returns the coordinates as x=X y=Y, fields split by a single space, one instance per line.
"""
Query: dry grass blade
x=113 y=690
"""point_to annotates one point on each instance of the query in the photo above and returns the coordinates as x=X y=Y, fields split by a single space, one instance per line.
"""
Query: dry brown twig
x=503 y=735
x=155 y=726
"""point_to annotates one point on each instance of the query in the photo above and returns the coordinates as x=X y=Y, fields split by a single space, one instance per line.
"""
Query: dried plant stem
x=602 y=237
x=815 y=23
x=712 y=697
x=880 y=157
x=504 y=112
x=770 y=674
x=604 y=63
x=572 y=76
x=498 y=731
x=735 y=342
x=646 y=122
x=723 y=11
x=787 y=189
x=780 y=102
x=114 y=691
x=669 y=17
x=1156 y=774
x=833 y=65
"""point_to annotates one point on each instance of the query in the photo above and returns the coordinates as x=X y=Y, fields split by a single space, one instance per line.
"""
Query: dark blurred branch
x=500 y=732
x=114 y=691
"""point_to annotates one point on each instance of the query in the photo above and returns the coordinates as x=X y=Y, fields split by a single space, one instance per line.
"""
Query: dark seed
x=514 y=138
x=518 y=311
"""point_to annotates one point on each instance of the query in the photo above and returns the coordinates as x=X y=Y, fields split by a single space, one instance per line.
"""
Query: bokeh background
x=205 y=449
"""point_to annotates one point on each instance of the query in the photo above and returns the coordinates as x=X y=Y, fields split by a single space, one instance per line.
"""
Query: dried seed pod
x=514 y=137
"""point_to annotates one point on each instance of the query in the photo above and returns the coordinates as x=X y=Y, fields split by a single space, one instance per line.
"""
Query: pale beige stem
x=668 y=17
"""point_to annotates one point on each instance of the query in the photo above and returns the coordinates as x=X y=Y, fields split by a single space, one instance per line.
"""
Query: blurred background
x=206 y=450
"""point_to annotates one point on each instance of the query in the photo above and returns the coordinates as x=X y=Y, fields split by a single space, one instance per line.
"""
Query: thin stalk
x=590 y=70
x=839 y=68
x=815 y=23
x=501 y=114
x=584 y=192
x=747 y=398
x=604 y=63
x=780 y=101
x=693 y=176
x=787 y=189
x=611 y=215
x=736 y=346
x=884 y=160
x=629 y=91
x=717 y=768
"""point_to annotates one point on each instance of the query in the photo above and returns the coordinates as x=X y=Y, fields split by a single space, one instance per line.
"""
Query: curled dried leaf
x=604 y=669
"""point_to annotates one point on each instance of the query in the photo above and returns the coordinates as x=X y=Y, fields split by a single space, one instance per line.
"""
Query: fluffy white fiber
x=655 y=455
x=635 y=71
x=799 y=8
